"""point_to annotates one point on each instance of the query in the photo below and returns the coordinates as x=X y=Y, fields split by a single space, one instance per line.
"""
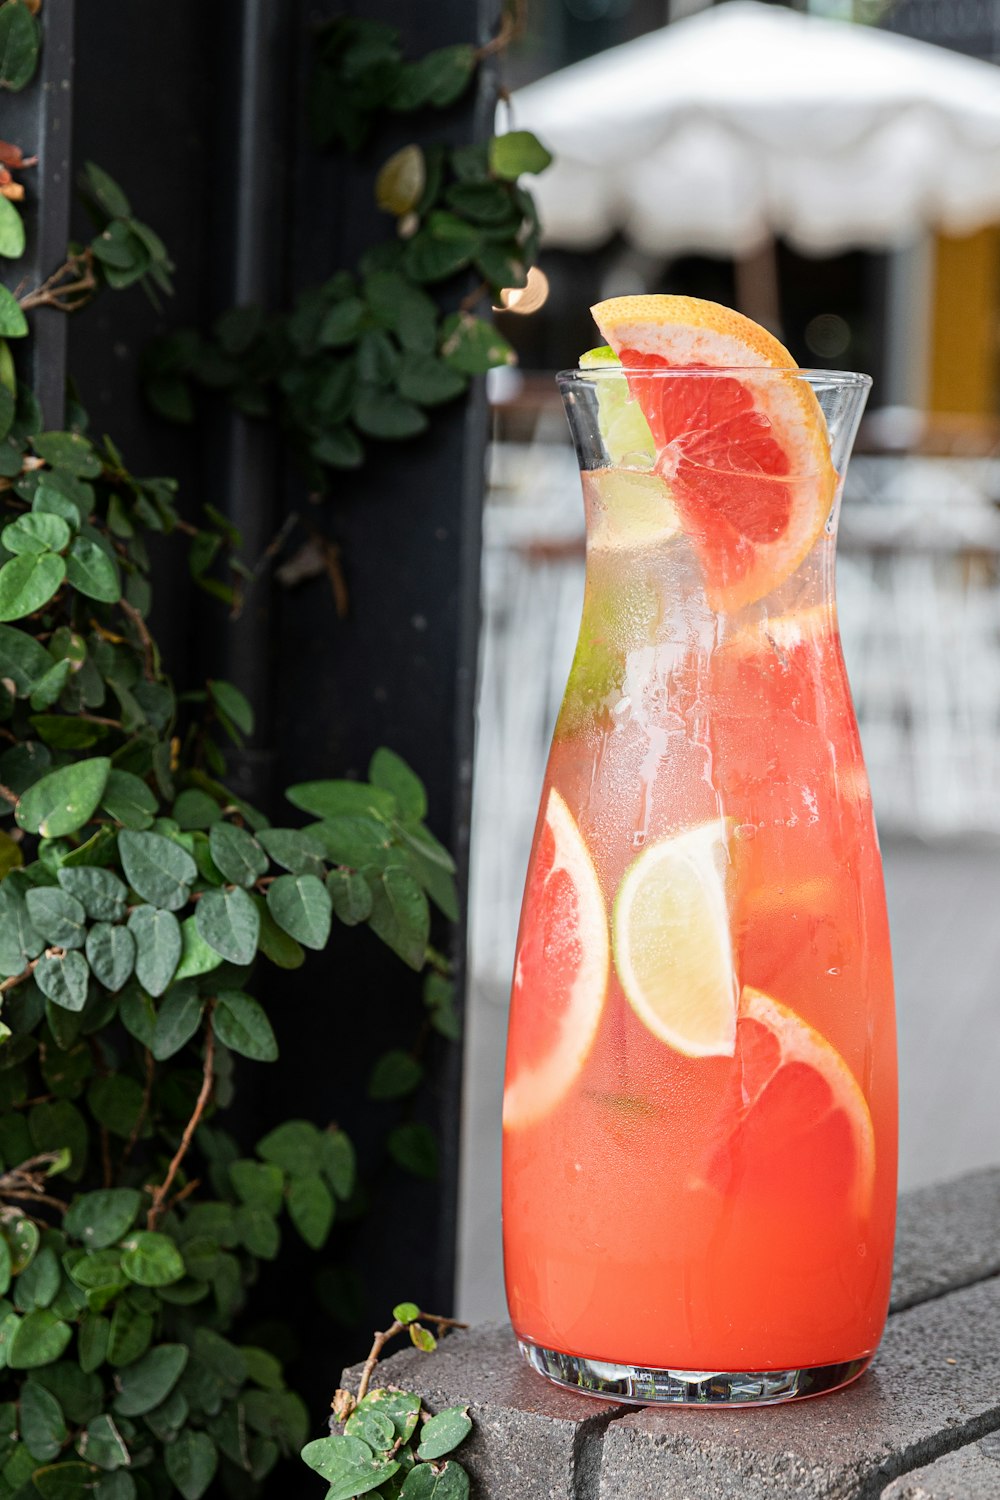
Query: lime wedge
x=624 y=429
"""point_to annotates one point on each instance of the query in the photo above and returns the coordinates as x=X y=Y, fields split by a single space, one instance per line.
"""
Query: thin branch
x=67 y=288
x=381 y=1339
x=142 y=630
x=16 y=979
x=157 y=1206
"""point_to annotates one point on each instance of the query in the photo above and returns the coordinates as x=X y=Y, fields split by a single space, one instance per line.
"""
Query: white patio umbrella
x=749 y=120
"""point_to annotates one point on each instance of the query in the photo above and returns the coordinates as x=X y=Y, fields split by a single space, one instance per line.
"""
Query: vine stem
x=380 y=1340
x=16 y=979
x=55 y=289
x=148 y=647
x=22 y=1183
x=156 y=1208
x=140 y=1119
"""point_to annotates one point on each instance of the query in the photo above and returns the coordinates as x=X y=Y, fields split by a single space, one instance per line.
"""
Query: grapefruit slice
x=560 y=974
x=800 y=1121
x=747 y=456
x=672 y=944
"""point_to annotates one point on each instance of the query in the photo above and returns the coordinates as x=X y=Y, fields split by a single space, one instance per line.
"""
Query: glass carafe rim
x=847 y=379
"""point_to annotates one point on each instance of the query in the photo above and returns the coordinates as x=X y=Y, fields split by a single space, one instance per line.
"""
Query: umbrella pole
x=756 y=276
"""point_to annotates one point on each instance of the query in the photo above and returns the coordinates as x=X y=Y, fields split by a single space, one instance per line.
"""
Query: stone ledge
x=934 y=1388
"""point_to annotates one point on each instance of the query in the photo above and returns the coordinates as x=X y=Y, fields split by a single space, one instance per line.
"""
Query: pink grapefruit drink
x=700 y=1097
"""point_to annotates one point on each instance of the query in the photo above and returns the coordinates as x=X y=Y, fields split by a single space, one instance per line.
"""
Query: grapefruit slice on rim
x=672 y=943
x=561 y=971
x=800 y=1120
x=747 y=456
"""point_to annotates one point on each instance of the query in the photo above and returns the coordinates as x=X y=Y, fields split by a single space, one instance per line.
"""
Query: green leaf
x=67 y=1481
x=157 y=936
x=39 y=1339
x=233 y=704
x=389 y=771
x=342 y=323
x=196 y=809
x=150 y=1380
x=117 y=1102
x=34 y=532
x=102 y=1444
x=372 y=1428
x=439 y=78
x=90 y=571
x=38 y=1284
x=191 y=1461
x=49 y=501
x=28 y=582
x=276 y=945
x=333 y=799
x=337 y=1161
x=424 y=1482
x=57 y=1125
x=19 y=42
x=57 y=916
x=159 y=870
x=311 y=1209
x=428 y=381
x=355 y=842
x=196 y=956
x=99 y=1219
x=258 y=1183
x=13 y=323
x=151 y=1259
x=48 y=688
x=351 y=897
x=293 y=1146
x=422 y=1338
x=516 y=152
x=111 y=955
x=379 y=414
x=237 y=854
x=92 y=1342
x=229 y=922
x=69 y=451
x=23 y=1240
x=22 y=659
x=62 y=978
x=101 y=894
x=64 y=800
x=401 y=1407
x=130 y=1334
x=339 y=447
x=105 y=192
x=177 y=1020
x=400 y=914
x=414 y=1148
x=394 y=1075
x=301 y=906
x=128 y=800
x=348 y=1465
x=11 y=231
x=444 y=1432
x=41 y=1422
x=406 y=1312
x=472 y=345
x=241 y=1024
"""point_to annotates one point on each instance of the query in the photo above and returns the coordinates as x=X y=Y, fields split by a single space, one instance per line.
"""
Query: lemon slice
x=672 y=944
x=627 y=437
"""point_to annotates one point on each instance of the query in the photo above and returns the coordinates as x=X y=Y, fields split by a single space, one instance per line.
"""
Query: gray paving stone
x=530 y=1441
x=972 y=1473
x=844 y=1447
x=947 y=1238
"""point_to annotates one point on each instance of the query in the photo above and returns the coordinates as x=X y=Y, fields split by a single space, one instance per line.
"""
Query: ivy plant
x=368 y=356
x=138 y=897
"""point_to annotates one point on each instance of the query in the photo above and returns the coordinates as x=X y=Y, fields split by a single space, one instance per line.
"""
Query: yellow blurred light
x=525 y=299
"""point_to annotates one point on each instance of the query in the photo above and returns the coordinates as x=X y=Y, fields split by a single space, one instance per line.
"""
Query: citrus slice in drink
x=561 y=971
x=629 y=509
x=746 y=453
x=623 y=427
x=672 y=944
x=799 y=1116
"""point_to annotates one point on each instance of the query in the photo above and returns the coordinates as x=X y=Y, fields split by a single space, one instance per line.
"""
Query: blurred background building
x=862 y=224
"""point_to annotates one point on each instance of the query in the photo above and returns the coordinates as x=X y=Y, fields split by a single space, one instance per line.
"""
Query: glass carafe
x=700 y=1103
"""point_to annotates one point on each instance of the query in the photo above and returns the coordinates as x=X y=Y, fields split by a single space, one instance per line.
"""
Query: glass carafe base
x=639 y=1385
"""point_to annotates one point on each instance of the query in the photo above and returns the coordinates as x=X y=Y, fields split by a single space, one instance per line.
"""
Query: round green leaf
x=150 y=1380
x=425 y=1482
x=236 y=853
x=11 y=231
x=64 y=800
x=152 y=1259
x=241 y=1024
x=351 y=896
x=58 y=916
x=311 y=1209
x=102 y=1444
x=177 y=1020
x=29 y=581
x=129 y=800
x=99 y=1219
x=68 y=450
x=101 y=894
x=372 y=1428
x=191 y=1461
x=13 y=323
x=159 y=870
x=111 y=955
x=196 y=956
x=394 y=1075
x=35 y=532
x=22 y=659
x=294 y=1146
x=62 y=978
x=91 y=571
x=157 y=936
x=348 y=1465
x=444 y=1432
x=39 y=1339
x=19 y=40
x=517 y=151
x=301 y=906
x=229 y=922
x=41 y=1422
x=406 y=1312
